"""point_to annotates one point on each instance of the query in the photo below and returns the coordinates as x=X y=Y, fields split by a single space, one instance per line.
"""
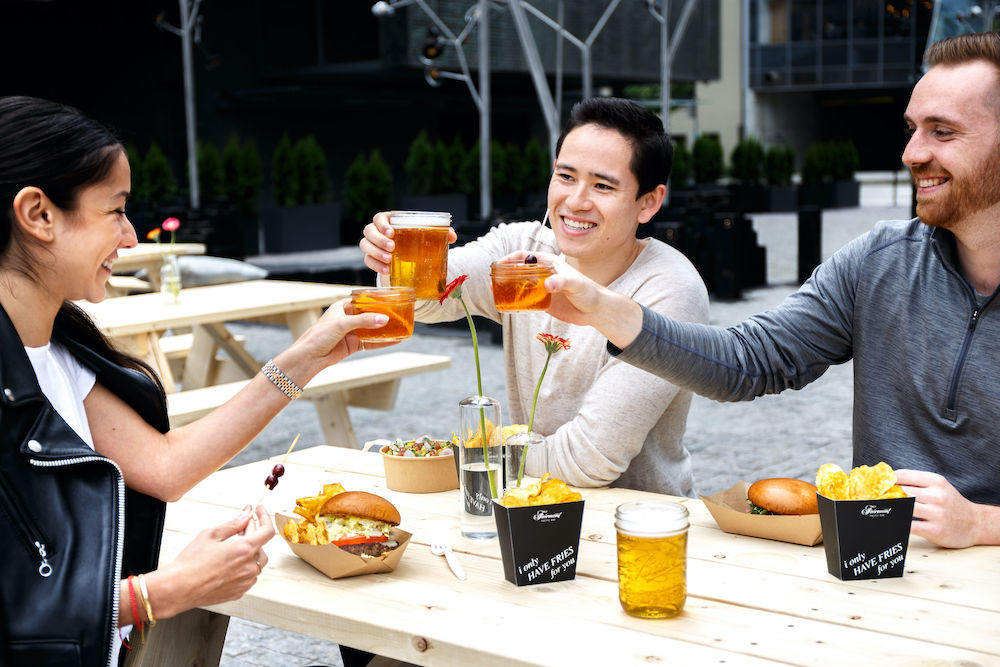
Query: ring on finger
x=362 y=346
x=260 y=568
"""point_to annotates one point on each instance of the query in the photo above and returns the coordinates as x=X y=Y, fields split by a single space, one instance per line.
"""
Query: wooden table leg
x=195 y=637
x=334 y=419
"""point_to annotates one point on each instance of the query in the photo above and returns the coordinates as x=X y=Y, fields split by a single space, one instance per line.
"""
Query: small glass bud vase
x=170 y=279
x=525 y=459
x=480 y=468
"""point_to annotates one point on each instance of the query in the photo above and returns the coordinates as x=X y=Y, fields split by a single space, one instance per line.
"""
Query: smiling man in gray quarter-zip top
x=913 y=303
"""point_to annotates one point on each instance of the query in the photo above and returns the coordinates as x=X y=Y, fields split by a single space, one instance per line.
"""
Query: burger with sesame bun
x=360 y=523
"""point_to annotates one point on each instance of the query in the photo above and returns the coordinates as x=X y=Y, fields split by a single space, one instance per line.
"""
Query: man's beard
x=965 y=197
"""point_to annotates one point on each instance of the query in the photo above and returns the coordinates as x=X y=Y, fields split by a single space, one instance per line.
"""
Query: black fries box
x=865 y=539
x=539 y=544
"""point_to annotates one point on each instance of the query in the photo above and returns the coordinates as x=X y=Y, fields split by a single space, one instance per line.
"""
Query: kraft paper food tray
x=336 y=563
x=729 y=509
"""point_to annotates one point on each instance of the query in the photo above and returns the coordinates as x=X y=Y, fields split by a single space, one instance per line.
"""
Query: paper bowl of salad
x=421 y=465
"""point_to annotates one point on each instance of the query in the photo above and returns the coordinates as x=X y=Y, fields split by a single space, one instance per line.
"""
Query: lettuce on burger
x=360 y=523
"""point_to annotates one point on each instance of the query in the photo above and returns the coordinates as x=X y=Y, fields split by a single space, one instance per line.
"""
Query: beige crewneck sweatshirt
x=605 y=422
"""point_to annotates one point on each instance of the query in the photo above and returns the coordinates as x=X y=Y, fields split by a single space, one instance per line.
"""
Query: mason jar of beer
x=652 y=558
x=420 y=257
x=394 y=302
x=520 y=285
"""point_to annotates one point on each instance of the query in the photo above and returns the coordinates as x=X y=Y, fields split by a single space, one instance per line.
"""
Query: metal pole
x=560 y=19
x=530 y=50
x=187 y=23
x=485 y=198
x=665 y=65
x=588 y=75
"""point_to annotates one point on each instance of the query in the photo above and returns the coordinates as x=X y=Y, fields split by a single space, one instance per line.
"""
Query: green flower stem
x=482 y=415
x=531 y=419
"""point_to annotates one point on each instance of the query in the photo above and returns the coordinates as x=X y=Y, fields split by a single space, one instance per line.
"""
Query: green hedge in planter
x=708 y=160
x=779 y=165
x=158 y=176
x=829 y=161
x=537 y=167
x=135 y=164
x=367 y=187
x=210 y=173
x=682 y=169
x=284 y=175
x=420 y=165
x=310 y=161
x=241 y=171
x=746 y=162
x=299 y=172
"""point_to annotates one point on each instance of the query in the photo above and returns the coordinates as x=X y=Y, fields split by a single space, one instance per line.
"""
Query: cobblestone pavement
x=787 y=435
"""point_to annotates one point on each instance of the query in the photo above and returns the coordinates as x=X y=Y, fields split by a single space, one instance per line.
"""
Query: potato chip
x=310 y=506
x=513 y=429
x=895 y=492
x=864 y=483
x=546 y=491
x=306 y=532
x=475 y=439
x=831 y=481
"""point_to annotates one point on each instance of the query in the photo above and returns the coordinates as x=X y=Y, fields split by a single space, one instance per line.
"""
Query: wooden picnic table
x=138 y=322
x=750 y=600
x=149 y=256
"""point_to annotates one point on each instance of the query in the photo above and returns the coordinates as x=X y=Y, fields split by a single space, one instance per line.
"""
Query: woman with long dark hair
x=87 y=458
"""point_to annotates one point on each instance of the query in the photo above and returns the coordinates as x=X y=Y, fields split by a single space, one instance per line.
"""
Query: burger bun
x=363 y=505
x=782 y=495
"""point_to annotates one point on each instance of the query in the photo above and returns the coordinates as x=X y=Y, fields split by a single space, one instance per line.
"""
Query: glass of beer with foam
x=394 y=302
x=420 y=258
x=652 y=558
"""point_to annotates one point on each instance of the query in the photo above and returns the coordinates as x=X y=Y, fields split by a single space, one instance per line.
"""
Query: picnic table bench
x=368 y=382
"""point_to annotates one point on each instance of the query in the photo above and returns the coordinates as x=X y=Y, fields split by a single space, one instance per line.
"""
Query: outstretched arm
x=165 y=466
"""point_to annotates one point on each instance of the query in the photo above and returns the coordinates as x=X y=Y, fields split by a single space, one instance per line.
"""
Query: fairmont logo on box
x=871 y=510
x=542 y=515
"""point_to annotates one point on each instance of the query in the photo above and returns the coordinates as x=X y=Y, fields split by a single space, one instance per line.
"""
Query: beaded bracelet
x=281 y=381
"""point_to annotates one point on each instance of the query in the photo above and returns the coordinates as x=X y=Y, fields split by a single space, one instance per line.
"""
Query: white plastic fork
x=441 y=548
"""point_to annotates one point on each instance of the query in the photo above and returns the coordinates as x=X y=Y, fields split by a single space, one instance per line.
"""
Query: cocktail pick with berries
x=277 y=471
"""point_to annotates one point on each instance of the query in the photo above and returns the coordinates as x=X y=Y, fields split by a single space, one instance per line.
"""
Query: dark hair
x=59 y=150
x=652 y=152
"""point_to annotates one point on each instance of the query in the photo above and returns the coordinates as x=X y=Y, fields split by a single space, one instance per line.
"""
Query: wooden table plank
x=142 y=313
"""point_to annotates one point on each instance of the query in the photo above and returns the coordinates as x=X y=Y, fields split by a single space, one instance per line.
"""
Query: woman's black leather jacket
x=69 y=528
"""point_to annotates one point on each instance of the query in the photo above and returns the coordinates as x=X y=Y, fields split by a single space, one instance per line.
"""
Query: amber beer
x=520 y=286
x=396 y=302
x=420 y=258
x=652 y=558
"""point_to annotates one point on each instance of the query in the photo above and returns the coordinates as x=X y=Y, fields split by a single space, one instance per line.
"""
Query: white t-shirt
x=66 y=382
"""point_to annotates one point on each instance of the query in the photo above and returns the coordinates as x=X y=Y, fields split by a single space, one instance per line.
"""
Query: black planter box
x=836 y=194
x=865 y=539
x=301 y=228
x=456 y=204
x=781 y=200
x=539 y=544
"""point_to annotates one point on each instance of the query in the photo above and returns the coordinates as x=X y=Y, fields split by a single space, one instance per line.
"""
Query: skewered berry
x=278 y=470
x=271 y=482
x=531 y=259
